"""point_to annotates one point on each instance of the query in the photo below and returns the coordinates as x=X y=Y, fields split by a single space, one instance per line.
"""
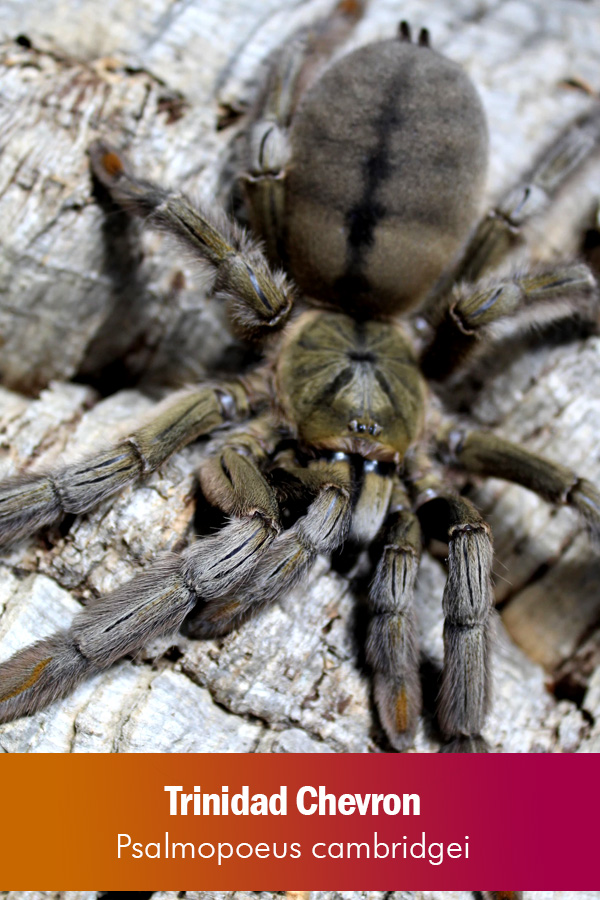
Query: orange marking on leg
x=223 y=612
x=402 y=710
x=30 y=681
x=351 y=8
x=112 y=164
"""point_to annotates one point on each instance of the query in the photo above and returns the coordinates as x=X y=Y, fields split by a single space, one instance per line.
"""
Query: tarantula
x=364 y=179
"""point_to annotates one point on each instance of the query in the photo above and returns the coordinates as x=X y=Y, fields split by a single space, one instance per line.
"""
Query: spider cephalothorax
x=365 y=185
x=351 y=386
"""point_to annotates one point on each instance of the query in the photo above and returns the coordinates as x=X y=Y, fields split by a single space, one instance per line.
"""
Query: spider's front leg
x=259 y=300
x=467 y=604
x=157 y=601
x=322 y=530
x=392 y=649
x=30 y=502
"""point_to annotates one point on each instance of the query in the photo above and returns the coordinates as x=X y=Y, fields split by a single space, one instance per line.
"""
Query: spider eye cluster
x=364 y=428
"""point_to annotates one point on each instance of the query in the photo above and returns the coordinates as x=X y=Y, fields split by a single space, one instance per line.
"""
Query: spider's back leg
x=502 y=228
x=481 y=312
x=464 y=310
x=483 y=453
x=267 y=147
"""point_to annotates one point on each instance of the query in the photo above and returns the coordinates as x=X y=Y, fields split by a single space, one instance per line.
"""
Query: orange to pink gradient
x=107 y=820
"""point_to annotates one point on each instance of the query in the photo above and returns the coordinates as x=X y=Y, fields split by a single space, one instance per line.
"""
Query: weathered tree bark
x=86 y=296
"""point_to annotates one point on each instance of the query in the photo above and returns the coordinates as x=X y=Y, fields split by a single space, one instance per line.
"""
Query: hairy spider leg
x=483 y=311
x=467 y=604
x=259 y=300
x=501 y=228
x=29 y=502
x=483 y=453
x=157 y=601
x=292 y=69
x=392 y=648
x=292 y=553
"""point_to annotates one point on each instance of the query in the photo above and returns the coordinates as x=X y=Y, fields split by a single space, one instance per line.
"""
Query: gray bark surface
x=82 y=293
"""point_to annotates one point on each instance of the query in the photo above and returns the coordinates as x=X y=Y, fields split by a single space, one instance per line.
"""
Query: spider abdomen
x=351 y=386
x=389 y=153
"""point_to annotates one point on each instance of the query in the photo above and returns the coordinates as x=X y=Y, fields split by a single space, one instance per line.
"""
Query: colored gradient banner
x=299 y=820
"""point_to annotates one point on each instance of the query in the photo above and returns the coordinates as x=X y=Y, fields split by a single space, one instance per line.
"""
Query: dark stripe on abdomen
x=362 y=219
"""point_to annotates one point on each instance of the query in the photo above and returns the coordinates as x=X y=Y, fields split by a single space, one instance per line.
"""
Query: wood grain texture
x=84 y=293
